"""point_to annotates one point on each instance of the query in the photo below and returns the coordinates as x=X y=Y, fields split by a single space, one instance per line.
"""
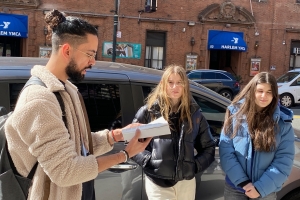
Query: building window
x=154 y=57
x=155 y=50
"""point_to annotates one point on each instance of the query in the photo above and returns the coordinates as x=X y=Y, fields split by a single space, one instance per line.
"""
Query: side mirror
x=3 y=111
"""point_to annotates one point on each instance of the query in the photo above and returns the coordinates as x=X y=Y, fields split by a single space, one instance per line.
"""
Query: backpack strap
x=14 y=169
x=62 y=106
x=37 y=81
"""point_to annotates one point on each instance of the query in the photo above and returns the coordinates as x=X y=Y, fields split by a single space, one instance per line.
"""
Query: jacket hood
x=280 y=112
x=284 y=113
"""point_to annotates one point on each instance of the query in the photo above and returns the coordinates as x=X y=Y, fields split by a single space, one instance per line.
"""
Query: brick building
x=237 y=36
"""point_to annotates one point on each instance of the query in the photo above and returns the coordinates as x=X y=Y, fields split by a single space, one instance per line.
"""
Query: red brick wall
x=272 y=18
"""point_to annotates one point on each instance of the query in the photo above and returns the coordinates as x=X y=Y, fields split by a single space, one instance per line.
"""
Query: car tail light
x=236 y=84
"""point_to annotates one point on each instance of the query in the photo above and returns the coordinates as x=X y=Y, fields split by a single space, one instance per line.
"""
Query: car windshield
x=287 y=77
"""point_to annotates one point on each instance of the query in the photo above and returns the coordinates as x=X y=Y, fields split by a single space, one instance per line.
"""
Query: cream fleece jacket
x=36 y=132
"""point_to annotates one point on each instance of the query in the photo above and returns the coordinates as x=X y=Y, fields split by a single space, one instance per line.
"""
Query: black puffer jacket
x=172 y=156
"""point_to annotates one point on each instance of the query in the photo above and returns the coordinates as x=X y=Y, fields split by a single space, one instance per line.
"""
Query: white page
x=155 y=128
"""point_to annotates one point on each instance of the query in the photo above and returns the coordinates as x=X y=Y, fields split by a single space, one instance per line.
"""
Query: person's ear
x=65 y=50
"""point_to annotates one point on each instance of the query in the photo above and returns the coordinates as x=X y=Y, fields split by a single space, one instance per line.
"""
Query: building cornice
x=20 y=3
x=226 y=12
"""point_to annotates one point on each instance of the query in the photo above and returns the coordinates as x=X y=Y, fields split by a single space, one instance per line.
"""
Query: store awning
x=225 y=40
x=13 y=25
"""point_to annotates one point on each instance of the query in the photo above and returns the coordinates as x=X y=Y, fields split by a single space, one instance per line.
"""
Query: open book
x=155 y=128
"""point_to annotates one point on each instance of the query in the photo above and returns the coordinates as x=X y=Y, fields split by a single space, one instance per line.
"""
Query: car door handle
x=124 y=166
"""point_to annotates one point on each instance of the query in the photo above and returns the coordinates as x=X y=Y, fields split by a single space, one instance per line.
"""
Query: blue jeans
x=233 y=194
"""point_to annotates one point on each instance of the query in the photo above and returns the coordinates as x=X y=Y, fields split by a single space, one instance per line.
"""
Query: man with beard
x=59 y=140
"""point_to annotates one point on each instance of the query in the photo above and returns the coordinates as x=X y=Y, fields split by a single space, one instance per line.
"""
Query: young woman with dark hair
x=257 y=142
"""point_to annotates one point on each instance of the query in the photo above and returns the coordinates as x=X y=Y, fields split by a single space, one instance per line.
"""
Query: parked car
x=113 y=89
x=289 y=88
x=220 y=81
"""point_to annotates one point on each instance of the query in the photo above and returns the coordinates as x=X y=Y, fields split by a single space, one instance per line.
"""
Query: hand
x=251 y=191
x=132 y=125
x=117 y=135
x=135 y=146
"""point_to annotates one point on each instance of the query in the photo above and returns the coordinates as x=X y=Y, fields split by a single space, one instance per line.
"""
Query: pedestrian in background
x=169 y=161
x=257 y=142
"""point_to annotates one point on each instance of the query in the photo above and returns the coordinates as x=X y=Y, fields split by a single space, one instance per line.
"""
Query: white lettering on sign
x=14 y=33
x=233 y=47
x=3 y=32
x=5 y=24
x=228 y=47
x=235 y=40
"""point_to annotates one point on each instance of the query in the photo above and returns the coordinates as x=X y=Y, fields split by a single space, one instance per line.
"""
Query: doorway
x=226 y=60
x=10 y=46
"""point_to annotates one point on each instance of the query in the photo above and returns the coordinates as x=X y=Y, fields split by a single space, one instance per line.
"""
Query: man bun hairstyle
x=53 y=18
x=67 y=29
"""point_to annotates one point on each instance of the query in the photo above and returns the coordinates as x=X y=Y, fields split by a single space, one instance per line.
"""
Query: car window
x=102 y=103
x=194 y=75
x=229 y=75
x=213 y=112
x=208 y=75
x=298 y=81
x=147 y=90
x=287 y=77
x=221 y=76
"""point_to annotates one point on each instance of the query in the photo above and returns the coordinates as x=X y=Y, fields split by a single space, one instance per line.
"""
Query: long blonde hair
x=159 y=95
x=261 y=124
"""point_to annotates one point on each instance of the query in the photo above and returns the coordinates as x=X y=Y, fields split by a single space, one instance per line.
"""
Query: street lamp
x=115 y=30
x=192 y=41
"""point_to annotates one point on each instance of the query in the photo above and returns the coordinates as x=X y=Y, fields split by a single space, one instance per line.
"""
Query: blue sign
x=123 y=50
x=13 y=25
x=225 y=40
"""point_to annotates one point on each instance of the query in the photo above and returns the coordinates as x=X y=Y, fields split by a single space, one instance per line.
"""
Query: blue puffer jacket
x=266 y=170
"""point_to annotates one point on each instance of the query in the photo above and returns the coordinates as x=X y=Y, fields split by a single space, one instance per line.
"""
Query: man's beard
x=73 y=73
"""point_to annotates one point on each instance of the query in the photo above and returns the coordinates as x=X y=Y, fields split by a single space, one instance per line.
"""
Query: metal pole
x=115 y=30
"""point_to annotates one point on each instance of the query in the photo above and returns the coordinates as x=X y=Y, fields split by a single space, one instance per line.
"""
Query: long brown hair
x=261 y=124
x=159 y=94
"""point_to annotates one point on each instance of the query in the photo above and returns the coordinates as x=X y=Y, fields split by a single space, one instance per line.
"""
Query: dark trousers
x=88 y=191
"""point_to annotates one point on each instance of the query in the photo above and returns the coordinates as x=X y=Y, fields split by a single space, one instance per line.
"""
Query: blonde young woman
x=257 y=142
x=169 y=161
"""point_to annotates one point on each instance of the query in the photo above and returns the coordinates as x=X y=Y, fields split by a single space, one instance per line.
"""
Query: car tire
x=293 y=195
x=286 y=100
x=226 y=93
